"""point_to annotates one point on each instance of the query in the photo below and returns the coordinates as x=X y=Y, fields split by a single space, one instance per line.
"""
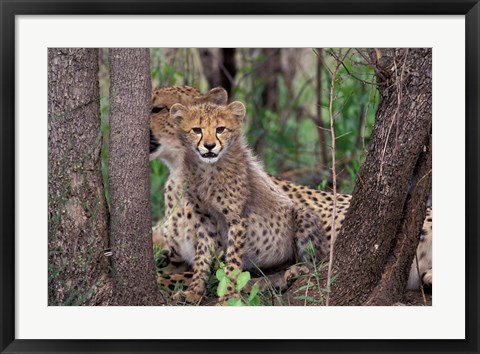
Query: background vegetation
x=286 y=92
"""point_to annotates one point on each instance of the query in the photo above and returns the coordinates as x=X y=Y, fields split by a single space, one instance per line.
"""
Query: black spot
x=189 y=215
x=225 y=211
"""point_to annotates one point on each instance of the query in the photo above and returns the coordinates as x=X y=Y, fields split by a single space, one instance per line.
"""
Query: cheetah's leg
x=169 y=261
x=174 y=281
x=309 y=229
x=205 y=233
x=237 y=235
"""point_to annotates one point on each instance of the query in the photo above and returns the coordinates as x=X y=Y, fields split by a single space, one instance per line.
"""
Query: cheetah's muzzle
x=209 y=155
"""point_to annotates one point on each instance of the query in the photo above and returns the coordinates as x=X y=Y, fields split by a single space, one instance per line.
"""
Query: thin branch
x=350 y=73
x=334 y=178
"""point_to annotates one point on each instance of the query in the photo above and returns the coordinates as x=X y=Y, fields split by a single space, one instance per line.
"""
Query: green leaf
x=253 y=292
x=222 y=287
x=242 y=280
x=308 y=298
x=235 y=273
x=220 y=274
x=303 y=287
x=334 y=277
x=235 y=302
x=255 y=301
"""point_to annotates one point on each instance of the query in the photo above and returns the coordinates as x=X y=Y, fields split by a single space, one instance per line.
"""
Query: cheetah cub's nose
x=209 y=146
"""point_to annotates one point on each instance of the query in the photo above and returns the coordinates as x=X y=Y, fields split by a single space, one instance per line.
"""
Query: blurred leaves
x=283 y=133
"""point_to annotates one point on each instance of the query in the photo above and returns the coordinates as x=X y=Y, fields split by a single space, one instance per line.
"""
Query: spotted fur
x=224 y=183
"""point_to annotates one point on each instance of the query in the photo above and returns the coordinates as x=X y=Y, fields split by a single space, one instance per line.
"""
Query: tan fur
x=259 y=224
x=169 y=234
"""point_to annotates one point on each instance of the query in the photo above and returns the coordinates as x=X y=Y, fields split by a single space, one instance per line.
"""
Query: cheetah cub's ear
x=238 y=110
x=218 y=96
x=177 y=112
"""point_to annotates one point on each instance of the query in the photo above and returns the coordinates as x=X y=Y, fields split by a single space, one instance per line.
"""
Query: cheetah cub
x=259 y=224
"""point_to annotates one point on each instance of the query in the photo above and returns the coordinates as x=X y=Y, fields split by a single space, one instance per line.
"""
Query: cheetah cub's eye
x=197 y=130
x=220 y=130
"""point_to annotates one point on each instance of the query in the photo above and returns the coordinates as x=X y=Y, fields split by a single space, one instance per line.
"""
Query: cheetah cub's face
x=164 y=143
x=209 y=130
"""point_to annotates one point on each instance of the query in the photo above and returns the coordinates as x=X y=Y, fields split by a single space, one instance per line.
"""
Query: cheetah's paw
x=189 y=296
x=427 y=278
x=295 y=272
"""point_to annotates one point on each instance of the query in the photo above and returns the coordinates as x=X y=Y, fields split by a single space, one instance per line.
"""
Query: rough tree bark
x=128 y=170
x=77 y=211
x=377 y=242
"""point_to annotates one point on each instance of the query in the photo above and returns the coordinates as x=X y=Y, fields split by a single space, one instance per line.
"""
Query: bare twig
x=334 y=178
x=338 y=59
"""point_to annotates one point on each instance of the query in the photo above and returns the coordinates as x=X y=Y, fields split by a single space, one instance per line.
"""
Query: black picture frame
x=9 y=9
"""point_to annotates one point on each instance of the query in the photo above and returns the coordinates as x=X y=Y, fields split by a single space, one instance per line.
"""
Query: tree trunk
x=128 y=170
x=77 y=211
x=375 y=248
x=210 y=64
x=219 y=67
x=269 y=73
x=320 y=126
x=228 y=69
